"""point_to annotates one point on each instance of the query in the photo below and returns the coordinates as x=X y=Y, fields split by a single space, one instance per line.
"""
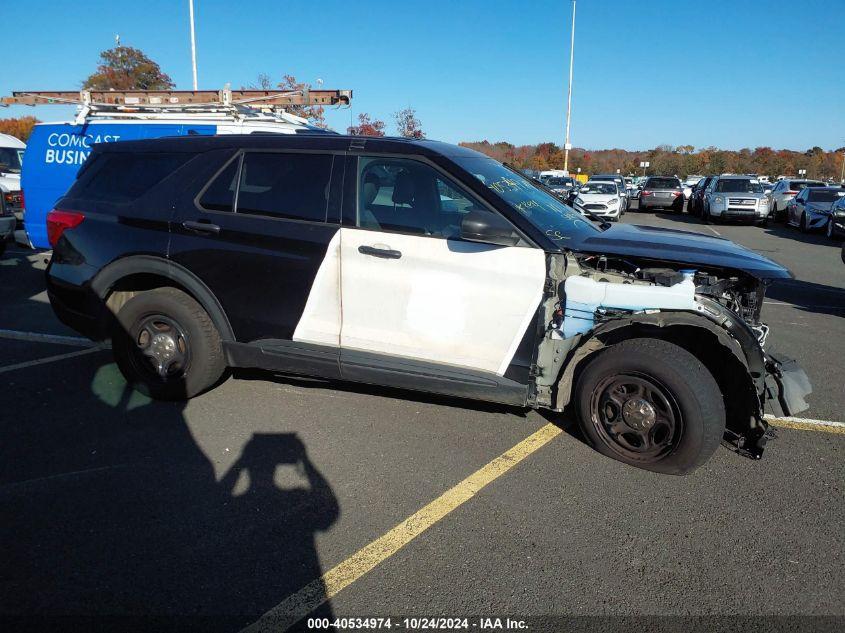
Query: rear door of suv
x=256 y=230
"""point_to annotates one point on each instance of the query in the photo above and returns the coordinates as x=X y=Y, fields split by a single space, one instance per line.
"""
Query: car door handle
x=201 y=226
x=384 y=253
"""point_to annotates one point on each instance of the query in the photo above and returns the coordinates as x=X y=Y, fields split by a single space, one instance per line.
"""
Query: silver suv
x=736 y=198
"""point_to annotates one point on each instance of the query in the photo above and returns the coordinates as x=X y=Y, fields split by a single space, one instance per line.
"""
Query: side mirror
x=491 y=228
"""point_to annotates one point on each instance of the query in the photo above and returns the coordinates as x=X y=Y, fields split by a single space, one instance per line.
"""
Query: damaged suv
x=419 y=265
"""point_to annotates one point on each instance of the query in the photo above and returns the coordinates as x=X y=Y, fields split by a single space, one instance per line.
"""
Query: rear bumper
x=652 y=202
x=76 y=305
x=787 y=386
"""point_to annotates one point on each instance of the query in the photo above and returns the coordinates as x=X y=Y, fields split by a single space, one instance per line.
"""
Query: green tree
x=127 y=68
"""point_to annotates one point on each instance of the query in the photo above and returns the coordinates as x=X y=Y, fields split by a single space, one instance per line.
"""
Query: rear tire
x=166 y=345
x=650 y=404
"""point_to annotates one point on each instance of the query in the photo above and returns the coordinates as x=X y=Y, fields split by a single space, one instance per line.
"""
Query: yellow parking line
x=297 y=606
x=808 y=425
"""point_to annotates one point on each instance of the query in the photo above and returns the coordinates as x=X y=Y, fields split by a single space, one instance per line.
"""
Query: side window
x=122 y=177
x=282 y=185
x=220 y=194
x=408 y=196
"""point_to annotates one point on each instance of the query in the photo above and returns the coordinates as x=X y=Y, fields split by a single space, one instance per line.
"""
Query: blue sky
x=733 y=74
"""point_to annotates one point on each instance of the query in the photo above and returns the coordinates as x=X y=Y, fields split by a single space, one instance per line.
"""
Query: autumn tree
x=19 y=128
x=316 y=115
x=127 y=68
x=407 y=123
x=366 y=127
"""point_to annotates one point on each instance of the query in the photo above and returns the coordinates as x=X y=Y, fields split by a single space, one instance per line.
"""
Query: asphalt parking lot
x=273 y=497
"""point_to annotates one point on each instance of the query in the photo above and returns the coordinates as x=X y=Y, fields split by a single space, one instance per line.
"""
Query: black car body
x=418 y=265
x=696 y=199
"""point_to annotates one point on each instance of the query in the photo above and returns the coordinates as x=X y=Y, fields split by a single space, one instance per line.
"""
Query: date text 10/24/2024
x=417 y=624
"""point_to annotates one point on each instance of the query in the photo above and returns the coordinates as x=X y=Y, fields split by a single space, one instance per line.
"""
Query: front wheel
x=650 y=404
x=166 y=345
x=828 y=230
x=803 y=223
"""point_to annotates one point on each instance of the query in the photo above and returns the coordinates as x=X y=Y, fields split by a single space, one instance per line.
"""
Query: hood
x=683 y=247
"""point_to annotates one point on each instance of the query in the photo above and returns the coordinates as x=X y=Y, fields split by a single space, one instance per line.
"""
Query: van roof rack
x=156 y=104
x=179 y=99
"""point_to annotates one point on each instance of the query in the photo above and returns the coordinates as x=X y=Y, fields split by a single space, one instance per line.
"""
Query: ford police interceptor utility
x=419 y=265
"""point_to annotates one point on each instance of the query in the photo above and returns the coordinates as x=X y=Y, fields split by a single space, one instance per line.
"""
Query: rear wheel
x=651 y=404
x=166 y=345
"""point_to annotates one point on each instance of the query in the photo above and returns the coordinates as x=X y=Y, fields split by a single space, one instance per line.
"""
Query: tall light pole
x=193 y=42
x=567 y=145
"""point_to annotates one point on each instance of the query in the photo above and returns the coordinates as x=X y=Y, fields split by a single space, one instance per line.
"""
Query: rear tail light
x=677 y=193
x=791 y=193
x=23 y=201
x=59 y=221
x=645 y=192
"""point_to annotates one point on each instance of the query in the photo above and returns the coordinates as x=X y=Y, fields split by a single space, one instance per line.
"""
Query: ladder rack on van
x=179 y=99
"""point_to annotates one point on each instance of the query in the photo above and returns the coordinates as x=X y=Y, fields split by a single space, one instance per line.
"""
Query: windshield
x=663 y=183
x=559 y=182
x=598 y=187
x=825 y=195
x=558 y=221
x=10 y=159
x=738 y=185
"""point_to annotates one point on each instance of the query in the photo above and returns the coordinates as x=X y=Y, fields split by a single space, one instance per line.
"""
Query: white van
x=11 y=158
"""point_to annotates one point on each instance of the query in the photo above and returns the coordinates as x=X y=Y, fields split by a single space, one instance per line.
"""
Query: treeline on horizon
x=668 y=160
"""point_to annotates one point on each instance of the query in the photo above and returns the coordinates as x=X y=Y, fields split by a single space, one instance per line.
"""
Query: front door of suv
x=421 y=305
x=258 y=234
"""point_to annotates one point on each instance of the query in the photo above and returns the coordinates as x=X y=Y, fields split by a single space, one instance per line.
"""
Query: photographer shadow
x=113 y=517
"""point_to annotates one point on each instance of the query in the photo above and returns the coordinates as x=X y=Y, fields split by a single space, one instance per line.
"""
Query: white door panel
x=444 y=301
x=320 y=321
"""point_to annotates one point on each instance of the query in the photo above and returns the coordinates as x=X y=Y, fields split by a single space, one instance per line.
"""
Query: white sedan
x=601 y=199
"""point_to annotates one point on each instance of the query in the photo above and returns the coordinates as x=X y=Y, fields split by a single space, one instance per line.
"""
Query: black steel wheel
x=166 y=345
x=635 y=415
x=650 y=404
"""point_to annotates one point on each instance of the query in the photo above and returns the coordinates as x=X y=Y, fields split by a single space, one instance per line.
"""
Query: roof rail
x=178 y=99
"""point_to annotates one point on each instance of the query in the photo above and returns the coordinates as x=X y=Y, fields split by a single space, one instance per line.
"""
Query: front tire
x=803 y=223
x=166 y=345
x=650 y=404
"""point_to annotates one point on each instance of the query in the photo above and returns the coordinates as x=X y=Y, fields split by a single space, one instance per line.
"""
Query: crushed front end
x=721 y=325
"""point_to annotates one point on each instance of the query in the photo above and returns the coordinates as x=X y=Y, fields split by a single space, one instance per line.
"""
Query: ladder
x=179 y=99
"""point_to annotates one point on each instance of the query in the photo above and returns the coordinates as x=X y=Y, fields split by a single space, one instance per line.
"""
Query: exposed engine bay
x=741 y=294
x=594 y=301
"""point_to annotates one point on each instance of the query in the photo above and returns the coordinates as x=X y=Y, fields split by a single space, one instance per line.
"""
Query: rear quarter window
x=119 y=178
